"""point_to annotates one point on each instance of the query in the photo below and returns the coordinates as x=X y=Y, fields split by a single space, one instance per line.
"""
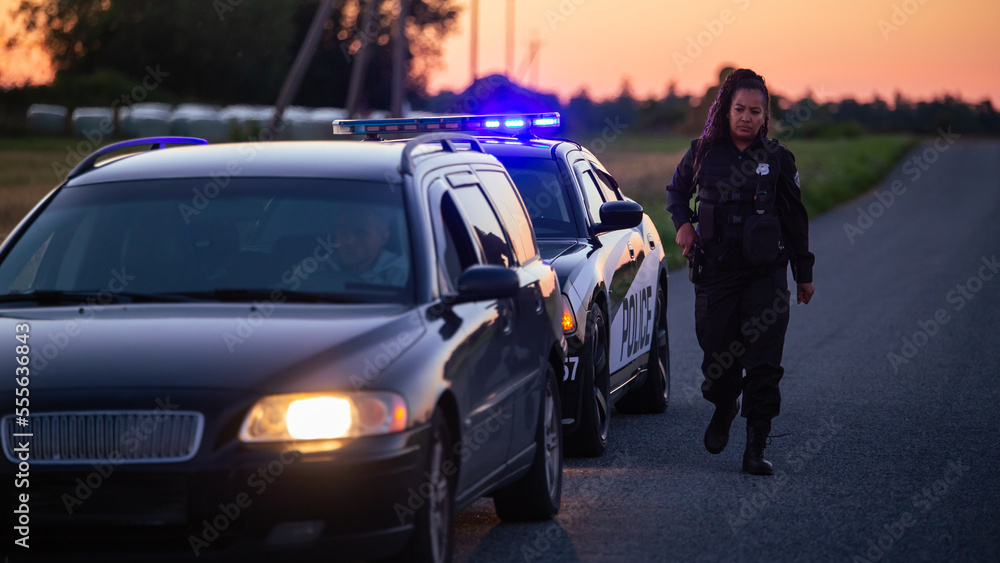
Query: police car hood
x=276 y=348
x=565 y=255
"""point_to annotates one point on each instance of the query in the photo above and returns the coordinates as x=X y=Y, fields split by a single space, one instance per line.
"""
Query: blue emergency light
x=504 y=124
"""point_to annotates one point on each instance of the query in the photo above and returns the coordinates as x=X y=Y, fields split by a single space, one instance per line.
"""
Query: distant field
x=832 y=171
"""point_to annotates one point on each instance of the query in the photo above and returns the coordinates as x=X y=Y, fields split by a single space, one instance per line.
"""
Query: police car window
x=544 y=194
x=609 y=193
x=492 y=239
x=509 y=207
x=593 y=195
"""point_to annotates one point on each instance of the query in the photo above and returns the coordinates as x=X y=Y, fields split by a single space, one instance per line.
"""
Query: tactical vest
x=737 y=220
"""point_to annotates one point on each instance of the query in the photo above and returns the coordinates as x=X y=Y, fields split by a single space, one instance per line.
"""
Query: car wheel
x=654 y=394
x=536 y=496
x=591 y=437
x=434 y=522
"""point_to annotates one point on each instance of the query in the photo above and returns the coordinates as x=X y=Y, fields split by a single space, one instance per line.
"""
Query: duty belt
x=720 y=196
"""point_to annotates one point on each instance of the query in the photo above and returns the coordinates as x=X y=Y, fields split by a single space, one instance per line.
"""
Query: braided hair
x=717 y=124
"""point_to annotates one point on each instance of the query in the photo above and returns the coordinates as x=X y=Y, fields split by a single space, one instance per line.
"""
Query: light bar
x=504 y=124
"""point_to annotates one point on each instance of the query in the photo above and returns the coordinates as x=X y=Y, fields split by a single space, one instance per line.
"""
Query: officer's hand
x=805 y=293
x=685 y=238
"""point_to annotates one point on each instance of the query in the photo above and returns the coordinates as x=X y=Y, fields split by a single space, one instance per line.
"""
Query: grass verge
x=832 y=171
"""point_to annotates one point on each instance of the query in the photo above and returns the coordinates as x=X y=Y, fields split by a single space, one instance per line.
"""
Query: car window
x=492 y=239
x=335 y=237
x=606 y=190
x=458 y=252
x=593 y=194
x=509 y=207
x=544 y=193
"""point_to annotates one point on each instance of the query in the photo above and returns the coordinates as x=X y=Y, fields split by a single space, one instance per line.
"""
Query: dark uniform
x=742 y=302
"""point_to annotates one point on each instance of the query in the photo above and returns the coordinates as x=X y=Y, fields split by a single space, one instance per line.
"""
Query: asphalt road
x=887 y=458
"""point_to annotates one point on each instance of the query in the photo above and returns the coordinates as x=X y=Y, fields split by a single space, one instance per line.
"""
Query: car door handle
x=631 y=251
x=539 y=302
x=505 y=310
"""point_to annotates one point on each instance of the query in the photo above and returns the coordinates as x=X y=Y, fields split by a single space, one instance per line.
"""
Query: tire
x=654 y=394
x=434 y=523
x=537 y=495
x=590 y=438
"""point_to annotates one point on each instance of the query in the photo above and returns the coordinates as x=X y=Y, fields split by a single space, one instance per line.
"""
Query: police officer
x=751 y=225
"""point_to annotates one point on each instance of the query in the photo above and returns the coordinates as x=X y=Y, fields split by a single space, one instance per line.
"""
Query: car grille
x=153 y=436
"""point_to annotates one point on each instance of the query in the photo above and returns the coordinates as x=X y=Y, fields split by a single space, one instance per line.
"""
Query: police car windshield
x=266 y=236
x=541 y=187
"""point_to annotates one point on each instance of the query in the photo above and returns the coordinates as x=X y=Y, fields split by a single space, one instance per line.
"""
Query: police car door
x=629 y=306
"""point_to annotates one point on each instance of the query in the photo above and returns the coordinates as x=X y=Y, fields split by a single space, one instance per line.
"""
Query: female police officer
x=751 y=224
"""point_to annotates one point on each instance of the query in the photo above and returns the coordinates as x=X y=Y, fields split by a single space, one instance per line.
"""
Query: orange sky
x=932 y=47
x=852 y=48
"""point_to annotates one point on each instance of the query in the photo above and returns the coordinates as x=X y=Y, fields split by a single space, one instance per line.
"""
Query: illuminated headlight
x=321 y=416
x=568 y=320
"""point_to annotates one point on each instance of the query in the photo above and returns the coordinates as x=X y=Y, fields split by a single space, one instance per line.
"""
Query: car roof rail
x=444 y=139
x=89 y=163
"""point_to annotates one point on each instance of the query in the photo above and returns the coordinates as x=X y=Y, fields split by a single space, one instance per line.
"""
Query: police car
x=611 y=265
x=278 y=351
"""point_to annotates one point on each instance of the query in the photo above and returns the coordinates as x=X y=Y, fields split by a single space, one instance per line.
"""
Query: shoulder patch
x=797 y=183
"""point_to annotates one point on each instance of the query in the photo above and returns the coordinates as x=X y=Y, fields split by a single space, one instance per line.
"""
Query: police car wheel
x=591 y=437
x=537 y=495
x=434 y=522
x=653 y=396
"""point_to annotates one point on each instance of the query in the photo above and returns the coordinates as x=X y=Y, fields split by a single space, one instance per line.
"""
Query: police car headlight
x=568 y=320
x=321 y=416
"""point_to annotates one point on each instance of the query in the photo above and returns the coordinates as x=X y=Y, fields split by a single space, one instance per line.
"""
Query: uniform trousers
x=741 y=316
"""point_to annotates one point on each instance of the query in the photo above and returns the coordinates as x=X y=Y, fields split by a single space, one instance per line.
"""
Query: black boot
x=753 y=458
x=717 y=434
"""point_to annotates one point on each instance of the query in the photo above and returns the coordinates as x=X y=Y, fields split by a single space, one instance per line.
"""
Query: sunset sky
x=849 y=48
x=923 y=48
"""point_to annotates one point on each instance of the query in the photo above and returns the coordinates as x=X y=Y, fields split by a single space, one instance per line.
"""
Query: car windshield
x=541 y=187
x=315 y=240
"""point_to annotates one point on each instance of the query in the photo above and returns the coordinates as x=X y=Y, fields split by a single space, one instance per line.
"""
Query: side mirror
x=479 y=283
x=616 y=215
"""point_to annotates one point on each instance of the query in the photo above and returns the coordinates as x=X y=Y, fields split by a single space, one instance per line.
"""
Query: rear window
x=189 y=236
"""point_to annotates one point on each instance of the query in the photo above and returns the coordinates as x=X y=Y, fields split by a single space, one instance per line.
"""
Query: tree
x=234 y=51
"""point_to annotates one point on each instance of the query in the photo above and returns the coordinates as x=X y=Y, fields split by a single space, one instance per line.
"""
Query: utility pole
x=360 y=64
x=301 y=64
x=399 y=59
x=474 y=45
x=510 y=39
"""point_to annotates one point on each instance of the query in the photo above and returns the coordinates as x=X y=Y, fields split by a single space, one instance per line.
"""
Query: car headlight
x=568 y=320
x=323 y=416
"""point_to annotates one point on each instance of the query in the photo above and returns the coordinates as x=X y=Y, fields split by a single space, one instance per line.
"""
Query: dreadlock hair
x=717 y=124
